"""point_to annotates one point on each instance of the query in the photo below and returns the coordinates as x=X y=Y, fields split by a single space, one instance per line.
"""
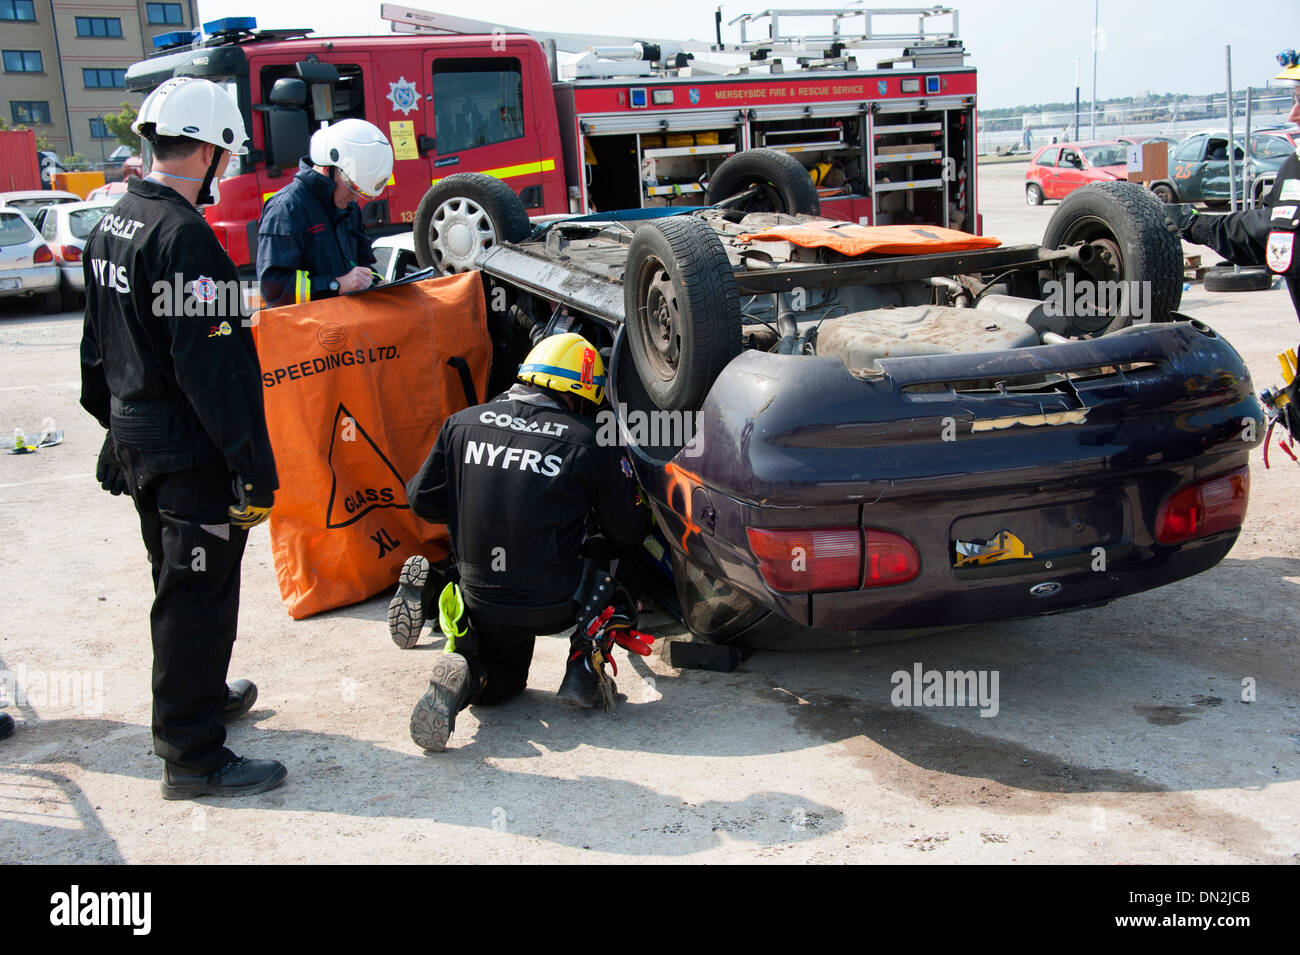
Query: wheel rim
x=660 y=320
x=1033 y=195
x=767 y=198
x=459 y=232
x=1108 y=267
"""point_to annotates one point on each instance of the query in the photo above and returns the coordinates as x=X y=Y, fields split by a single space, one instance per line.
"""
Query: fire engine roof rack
x=780 y=40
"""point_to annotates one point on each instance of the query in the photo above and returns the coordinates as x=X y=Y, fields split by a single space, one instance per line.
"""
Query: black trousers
x=196 y=556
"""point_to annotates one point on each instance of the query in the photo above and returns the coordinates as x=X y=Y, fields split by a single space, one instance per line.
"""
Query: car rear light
x=70 y=253
x=42 y=254
x=891 y=559
x=799 y=561
x=1206 y=508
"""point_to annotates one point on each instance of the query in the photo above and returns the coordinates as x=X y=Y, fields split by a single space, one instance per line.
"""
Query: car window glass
x=1190 y=149
x=47 y=222
x=407 y=264
x=1270 y=147
x=1048 y=158
x=1106 y=155
x=1069 y=158
x=477 y=102
x=81 y=222
x=14 y=230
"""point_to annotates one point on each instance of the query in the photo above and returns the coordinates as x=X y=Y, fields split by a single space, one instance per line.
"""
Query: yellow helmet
x=1290 y=64
x=566 y=363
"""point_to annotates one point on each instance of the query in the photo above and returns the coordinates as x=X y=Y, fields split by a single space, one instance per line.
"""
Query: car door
x=1043 y=169
x=1186 y=167
x=1069 y=172
x=1214 y=170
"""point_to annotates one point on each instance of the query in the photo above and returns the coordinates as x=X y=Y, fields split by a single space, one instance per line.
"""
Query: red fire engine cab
x=579 y=124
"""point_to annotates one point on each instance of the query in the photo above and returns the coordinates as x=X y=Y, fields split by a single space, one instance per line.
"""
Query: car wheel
x=51 y=302
x=1164 y=192
x=1224 y=278
x=463 y=216
x=1034 y=194
x=682 y=310
x=780 y=183
x=1124 y=227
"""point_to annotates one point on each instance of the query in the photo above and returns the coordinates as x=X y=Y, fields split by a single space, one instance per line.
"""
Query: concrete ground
x=1121 y=734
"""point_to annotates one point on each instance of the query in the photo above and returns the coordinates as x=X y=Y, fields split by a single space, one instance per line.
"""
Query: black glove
x=108 y=470
x=251 y=508
x=1179 y=217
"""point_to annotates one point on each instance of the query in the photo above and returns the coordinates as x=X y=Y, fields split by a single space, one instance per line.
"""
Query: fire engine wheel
x=681 y=308
x=780 y=183
x=463 y=216
x=1124 y=229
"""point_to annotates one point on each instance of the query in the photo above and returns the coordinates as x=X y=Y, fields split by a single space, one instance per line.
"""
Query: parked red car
x=1059 y=169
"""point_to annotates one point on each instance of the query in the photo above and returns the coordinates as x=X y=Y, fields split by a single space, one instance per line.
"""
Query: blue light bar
x=229 y=25
x=179 y=38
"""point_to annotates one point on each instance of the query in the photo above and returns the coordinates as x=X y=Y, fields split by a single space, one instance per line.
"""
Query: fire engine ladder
x=846 y=33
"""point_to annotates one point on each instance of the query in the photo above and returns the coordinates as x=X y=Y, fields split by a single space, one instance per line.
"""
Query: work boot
x=451 y=687
x=240 y=697
x=6 y=725
x=580 y=687
x=406 y=610
x=239 y=777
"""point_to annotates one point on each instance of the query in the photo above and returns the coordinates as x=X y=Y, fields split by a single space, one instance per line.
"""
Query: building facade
x=65 y=62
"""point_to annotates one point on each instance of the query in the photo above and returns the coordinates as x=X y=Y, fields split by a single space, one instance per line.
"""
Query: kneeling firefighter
x=516 y=480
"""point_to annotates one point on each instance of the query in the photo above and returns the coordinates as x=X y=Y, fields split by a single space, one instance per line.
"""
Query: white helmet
x=196 y=109
x=359 y=150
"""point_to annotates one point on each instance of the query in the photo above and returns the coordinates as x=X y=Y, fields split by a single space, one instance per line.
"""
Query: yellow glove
x=251 y=509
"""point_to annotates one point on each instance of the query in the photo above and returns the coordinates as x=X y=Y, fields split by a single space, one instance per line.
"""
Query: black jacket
x=515 y=480
x=167 y=358
x=1244 y=237
x=304 y=241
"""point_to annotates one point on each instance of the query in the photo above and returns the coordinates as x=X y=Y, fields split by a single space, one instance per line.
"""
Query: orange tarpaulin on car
x=356 y=388
x=853 y=239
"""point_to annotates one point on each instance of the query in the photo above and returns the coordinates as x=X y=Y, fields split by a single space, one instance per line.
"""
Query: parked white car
x=27 y=266
x=395 y=256
x=31 y=201
x=65 y=228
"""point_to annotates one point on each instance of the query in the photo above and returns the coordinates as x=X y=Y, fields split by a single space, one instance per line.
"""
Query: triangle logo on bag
x=362 y=477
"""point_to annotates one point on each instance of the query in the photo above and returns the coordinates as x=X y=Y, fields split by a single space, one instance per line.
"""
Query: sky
x=1024 y=50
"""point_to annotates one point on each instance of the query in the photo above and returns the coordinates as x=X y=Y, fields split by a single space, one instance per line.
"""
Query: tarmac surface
x=1122 y=734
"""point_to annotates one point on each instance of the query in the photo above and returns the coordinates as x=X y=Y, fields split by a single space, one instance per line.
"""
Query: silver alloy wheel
x=459 y=231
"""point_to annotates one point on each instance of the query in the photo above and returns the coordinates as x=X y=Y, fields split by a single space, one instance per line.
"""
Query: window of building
x=477 y=102
x=99 y=26
x=29 y=111
x=99 y=129
x=169 y=13
x=23 y=61
x=104 y=79
x=17 y=10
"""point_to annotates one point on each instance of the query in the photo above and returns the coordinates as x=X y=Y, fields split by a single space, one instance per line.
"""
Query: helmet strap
x=205 y=197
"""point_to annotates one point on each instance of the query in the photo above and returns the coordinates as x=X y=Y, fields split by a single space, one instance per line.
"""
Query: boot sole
x=406 y=611
x=434 y=718
x=193 y=790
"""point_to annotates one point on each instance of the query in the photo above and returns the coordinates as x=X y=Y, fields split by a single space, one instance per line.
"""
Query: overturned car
x=926 y=430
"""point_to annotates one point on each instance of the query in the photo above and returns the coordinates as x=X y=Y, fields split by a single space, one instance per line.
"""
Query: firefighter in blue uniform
x=311 y=243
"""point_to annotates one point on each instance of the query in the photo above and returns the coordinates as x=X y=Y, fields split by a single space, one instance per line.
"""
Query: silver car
x=31 y=201
x=27 y=266
x=65 y=229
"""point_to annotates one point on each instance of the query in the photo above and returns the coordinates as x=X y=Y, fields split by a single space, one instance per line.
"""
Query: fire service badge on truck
x=403 y=95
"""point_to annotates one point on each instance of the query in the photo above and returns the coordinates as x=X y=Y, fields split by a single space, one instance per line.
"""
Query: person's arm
x=1240 y=237
x=427 y=491
x=622 y=514
x=95 y=396
x=282 y=271
x=216 y=364
x=365 y=247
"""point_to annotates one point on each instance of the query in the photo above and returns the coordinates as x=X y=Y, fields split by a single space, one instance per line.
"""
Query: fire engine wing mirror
x=313 y=71
x=290 y=136
x=289 y=91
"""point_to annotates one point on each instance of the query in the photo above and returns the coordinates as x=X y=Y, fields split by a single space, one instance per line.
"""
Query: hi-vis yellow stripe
x=510 y=172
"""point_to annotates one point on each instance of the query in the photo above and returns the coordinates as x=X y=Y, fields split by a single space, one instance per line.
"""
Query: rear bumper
x=33 y=280
x=74 y=277
x=786 y=441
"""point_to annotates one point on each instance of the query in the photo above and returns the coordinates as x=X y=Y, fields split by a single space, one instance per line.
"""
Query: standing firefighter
x=168 y=367
x=516 y=481
x=311 y=243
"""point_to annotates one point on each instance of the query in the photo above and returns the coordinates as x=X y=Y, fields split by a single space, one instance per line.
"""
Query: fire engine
x=581 y=124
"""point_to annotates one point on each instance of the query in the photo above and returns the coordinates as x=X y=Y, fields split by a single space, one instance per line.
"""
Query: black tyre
x=1125 y=227
x=781 y=183
x=464 y=215
x=1223 y=278
x=681 y=308
x=1033 y=194
x=1164 y=193
x=714 y=609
